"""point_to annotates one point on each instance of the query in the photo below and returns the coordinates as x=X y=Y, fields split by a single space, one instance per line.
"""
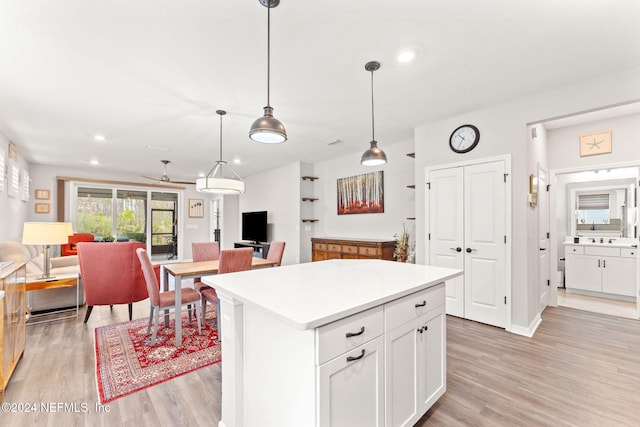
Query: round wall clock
x=464 y=138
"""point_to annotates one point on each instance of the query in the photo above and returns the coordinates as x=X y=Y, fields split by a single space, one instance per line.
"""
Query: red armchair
x=71 y=247
x=111 y=274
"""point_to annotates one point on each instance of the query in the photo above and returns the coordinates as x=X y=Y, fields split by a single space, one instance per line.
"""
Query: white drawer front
x=629 y=252
x=346 y=334
x=412 y=306
x=604 y=251
x=578 y=250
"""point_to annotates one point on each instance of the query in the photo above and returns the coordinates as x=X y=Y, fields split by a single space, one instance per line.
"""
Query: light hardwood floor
x=580 y=369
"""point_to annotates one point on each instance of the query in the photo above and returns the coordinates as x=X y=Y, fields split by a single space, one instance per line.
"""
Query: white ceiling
x=153 y=72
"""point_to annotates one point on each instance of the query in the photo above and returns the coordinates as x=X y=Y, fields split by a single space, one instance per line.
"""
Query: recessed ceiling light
x=406 y=56
x=100 y=138
x=94 y=162
x=237 y=161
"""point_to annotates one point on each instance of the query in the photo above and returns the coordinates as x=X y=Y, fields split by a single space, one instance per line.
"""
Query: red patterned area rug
x=126 y=363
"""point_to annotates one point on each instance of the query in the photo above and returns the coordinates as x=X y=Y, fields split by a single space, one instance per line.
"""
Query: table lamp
x=46 y=234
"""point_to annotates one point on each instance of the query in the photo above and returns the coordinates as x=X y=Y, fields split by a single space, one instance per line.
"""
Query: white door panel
x=485 y=249
x=544 y=275
x=445 y=219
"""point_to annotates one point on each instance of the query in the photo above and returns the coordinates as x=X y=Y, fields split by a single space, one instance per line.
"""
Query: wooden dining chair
x=276 y=249
x=164 y=300
x=231 y=261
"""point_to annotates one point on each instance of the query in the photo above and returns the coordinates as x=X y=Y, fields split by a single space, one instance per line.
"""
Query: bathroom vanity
x=608 y=267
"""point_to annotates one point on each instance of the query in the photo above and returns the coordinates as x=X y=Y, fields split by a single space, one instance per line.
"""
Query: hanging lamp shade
x=374 y=155
x=217 y=181
x=267 y=129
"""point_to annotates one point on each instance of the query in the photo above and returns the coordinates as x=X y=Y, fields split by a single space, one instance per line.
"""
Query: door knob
x=469 y=250
x=458 y=249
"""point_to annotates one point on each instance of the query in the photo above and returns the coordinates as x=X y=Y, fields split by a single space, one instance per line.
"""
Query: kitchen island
x=339 y=342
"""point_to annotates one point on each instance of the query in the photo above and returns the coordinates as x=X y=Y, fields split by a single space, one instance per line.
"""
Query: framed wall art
x=196 y=208
x=595 y=143
x=43 y=208
x=361 y=194
x=43 y=194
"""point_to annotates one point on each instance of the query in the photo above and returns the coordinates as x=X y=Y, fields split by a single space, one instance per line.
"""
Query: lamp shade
x=267 y=129
x=373 y=156
x=219 y=185
x=46 y=233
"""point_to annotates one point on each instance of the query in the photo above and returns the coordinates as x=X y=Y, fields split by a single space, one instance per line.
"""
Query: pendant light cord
x=373 y=128
x=220 y=137
x=268 y=51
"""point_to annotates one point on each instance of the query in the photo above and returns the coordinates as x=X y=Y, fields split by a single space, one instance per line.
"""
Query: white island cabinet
x=332 y=343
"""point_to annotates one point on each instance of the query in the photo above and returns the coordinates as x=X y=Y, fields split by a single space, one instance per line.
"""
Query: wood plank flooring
x=580 y=369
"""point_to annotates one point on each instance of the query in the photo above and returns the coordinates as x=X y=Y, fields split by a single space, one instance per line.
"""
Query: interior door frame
x=508 y=226
x=553 y=241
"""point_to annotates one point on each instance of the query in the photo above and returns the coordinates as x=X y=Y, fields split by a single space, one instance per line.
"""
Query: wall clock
x=595 y=143
x=464 y=138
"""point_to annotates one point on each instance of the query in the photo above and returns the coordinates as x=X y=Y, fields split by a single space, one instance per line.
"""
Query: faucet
x=611 y=240
x=593 y=240
x=601 y=240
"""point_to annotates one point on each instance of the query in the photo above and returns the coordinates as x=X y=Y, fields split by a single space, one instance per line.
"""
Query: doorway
x=595 y=205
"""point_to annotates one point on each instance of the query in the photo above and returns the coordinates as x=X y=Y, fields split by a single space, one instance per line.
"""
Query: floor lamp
x=46 y=234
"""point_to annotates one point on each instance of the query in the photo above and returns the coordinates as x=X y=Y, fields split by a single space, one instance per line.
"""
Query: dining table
x=192 y=270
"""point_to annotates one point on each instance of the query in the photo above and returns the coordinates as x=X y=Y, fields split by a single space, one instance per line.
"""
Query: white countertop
x=616 y=243
x=313 y=294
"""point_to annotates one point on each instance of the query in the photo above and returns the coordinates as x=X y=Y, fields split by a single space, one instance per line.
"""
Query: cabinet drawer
x=629 y=252
x=320 y=246
x=368 y=251
x=349 y=249
x=334 y=248
x=578 y=250
x=604 y=251
x=412 y=306
x=332 y=339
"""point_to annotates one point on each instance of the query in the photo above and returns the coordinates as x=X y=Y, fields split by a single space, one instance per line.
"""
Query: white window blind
x=593 y=201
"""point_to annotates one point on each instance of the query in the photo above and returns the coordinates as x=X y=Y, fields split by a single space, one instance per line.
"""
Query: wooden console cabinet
x=12 y=321
x=339 y=248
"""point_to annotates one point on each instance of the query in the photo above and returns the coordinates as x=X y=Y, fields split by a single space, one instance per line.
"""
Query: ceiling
x=150 y=74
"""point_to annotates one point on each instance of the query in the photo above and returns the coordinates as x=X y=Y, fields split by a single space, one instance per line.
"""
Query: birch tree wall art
x=361 y=194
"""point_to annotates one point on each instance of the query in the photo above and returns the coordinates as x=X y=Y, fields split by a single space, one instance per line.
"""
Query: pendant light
x=268 y=129
x=215 y=181
x=374 y=156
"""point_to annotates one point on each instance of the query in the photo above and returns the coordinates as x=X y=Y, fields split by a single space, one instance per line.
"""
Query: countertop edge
x=222 y=293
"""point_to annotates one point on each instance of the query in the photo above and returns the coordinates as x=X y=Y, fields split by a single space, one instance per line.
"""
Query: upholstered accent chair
x=71 y=248
x=276 y=250
x=164 y=300
x=111 y=274
x=231 y=261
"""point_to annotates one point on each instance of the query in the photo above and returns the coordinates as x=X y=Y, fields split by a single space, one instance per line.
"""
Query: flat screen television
x=254 y=226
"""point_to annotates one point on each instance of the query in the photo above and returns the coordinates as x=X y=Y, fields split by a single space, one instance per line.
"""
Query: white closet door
x=446 y=216
x=485 y=248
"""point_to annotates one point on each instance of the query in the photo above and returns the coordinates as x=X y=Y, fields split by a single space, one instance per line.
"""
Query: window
x=593 y=209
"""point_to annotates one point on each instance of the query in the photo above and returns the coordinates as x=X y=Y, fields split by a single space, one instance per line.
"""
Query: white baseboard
x=528 y=331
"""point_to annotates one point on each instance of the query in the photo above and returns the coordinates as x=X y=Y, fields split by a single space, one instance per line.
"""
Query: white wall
x=503 y=130
x=399 y=201
x=14 y=212
x=277 y=191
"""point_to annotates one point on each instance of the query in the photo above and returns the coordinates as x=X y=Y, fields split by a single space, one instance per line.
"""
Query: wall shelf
x=310 y=178
x=309 y=220
x=413 y=155
x=309 y=199
x=411 y=186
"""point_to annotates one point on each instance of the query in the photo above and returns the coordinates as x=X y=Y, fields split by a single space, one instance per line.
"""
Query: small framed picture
x=42 y=208
x=196 y=208
x=595 y=143
x=42 y=194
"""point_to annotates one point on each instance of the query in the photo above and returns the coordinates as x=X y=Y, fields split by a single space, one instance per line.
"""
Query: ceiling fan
x=165 y=177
